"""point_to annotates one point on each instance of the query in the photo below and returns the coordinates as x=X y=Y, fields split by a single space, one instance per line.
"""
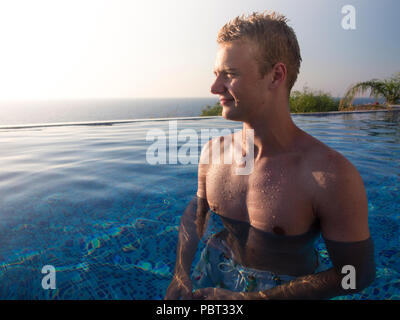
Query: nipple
x=278 y=230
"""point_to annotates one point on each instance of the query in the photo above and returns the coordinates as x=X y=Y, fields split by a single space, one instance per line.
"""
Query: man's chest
x=272 y=196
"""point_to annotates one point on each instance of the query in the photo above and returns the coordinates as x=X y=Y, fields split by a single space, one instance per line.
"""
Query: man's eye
x=225 y=74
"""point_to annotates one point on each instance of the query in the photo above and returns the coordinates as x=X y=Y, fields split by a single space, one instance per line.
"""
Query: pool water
x=84 y=199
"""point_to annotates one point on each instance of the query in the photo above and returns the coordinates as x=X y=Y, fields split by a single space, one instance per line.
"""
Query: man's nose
x=218 y=86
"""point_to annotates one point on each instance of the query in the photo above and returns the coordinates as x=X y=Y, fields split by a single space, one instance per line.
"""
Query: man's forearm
x=188 y=237
x=323 y=285
x=328 y=284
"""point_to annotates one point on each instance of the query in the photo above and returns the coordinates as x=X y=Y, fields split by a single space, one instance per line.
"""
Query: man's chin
x=229 y=114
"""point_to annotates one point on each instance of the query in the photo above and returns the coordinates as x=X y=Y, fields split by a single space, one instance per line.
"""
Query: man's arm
x=188 y=239
x=342 y=208
x=193 y=224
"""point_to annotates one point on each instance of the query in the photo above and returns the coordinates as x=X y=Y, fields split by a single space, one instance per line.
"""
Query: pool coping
x=111 y=122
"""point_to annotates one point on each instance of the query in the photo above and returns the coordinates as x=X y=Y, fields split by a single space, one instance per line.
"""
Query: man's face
x=241 y=89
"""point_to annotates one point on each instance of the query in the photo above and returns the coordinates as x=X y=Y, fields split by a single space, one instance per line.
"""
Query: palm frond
x=387 y=89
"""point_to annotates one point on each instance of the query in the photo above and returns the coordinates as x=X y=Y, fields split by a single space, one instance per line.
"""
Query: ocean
x=64 y=111
x=60 y=111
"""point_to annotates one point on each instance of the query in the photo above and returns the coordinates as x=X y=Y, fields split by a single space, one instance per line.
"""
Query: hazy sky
x=55 y=49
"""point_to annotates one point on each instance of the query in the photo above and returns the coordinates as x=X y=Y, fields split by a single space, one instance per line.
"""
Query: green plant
x=389 y=89
x=312 y=101
x=215 y=110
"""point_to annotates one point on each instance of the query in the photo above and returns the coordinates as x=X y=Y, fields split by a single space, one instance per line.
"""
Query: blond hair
x=276 y=41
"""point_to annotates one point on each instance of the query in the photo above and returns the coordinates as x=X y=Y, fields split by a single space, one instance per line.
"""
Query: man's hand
x=179 y=288
x=217 y=294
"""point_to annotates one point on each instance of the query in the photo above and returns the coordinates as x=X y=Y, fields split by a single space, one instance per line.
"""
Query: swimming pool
x=84 y=199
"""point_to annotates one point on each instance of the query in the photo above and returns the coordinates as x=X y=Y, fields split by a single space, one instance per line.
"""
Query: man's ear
x=278 y=75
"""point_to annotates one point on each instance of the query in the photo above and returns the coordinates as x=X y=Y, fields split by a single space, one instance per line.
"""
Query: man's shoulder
x=326 y=165
x=338 y=195
x=219 y=144
x=227 y=138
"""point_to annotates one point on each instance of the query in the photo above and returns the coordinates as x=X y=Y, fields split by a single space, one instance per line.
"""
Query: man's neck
x=274 y=132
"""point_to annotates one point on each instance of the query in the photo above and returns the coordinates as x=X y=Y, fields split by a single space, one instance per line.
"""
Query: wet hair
x=276 y=41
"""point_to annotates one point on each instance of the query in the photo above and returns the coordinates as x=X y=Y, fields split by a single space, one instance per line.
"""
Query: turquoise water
x=84 y=199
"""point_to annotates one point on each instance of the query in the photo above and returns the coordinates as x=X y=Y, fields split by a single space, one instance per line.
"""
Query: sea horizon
x=48 y=111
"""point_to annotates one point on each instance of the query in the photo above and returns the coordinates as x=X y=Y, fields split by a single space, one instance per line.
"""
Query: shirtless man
x=299 y=187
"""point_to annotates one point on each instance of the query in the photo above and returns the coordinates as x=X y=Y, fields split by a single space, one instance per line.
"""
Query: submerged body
x=224 y=262
x=279 y=254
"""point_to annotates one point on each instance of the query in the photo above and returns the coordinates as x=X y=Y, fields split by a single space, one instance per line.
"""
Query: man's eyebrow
x=225 y=70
